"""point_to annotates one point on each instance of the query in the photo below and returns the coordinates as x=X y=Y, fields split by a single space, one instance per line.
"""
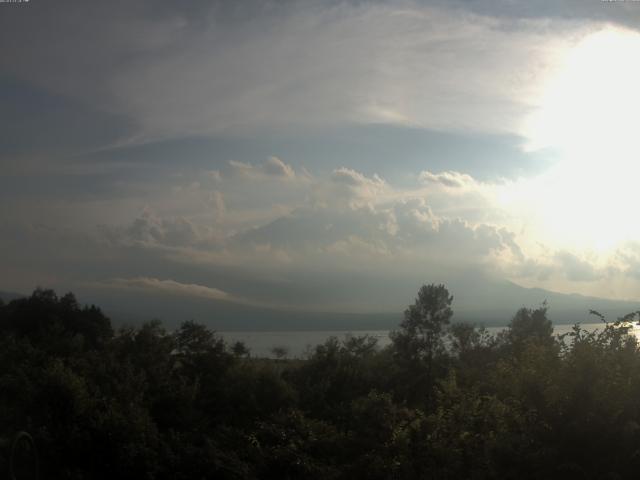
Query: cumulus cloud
x=628 y=259
x=353 y=225
x=397 y=229
x=217 y=199
x=350 y=218
x=214 y=175
x=276 y=167
x=150 y=229
x=272 y=167
x=577 y=269
x=448 y=179
x=357 y=188
x=348 y=176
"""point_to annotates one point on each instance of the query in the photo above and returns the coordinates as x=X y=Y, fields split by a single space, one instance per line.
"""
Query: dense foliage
x=443 y=401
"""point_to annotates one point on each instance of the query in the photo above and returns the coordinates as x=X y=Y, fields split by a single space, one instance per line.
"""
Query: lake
x=298 y=343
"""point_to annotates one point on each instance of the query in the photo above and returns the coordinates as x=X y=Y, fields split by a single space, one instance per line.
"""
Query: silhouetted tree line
x=443 y=401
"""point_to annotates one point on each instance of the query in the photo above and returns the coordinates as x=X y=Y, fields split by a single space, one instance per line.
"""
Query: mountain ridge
x=487 y=303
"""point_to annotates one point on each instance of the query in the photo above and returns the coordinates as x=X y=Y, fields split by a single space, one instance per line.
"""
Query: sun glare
x=589 y=113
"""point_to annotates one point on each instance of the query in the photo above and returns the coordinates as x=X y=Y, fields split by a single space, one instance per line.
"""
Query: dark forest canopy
x=443 y=401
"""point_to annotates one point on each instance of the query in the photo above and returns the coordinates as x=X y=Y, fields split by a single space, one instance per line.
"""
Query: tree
x=280 y=352
x=531 y=325
x=240 y=349
x=420 y=338
x=195 y=339
x=423 y=326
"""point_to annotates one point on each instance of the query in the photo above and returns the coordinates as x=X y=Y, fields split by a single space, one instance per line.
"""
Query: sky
x=319 y=156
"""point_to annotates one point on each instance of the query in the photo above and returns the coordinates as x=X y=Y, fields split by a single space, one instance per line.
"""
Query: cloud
x=628 y=259
x=217 y=199
x=149 y=228
x=413 y=69
x=577 y=269
x=203 y=70
x=398 y=229
x=352 y=178
x=170 y=287
x=356 y=187
x=273 y=167
x=450 y=221
x=176 y=74
x=214 y=175
x=447 y=179
x=276 y=167
x=281 y=247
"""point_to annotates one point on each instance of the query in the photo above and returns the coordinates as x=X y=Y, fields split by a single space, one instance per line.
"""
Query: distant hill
x=225 y=316
x=507 y=298
x=8 y=296
x=487 y=303
x=491 y=304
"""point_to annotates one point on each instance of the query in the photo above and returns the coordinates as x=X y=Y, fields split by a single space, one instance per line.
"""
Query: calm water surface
x=298 y=344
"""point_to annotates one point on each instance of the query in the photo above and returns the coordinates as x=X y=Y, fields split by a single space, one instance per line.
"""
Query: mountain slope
x=482 y=302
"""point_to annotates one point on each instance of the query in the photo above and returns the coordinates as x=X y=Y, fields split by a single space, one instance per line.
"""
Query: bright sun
x=590 y=113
